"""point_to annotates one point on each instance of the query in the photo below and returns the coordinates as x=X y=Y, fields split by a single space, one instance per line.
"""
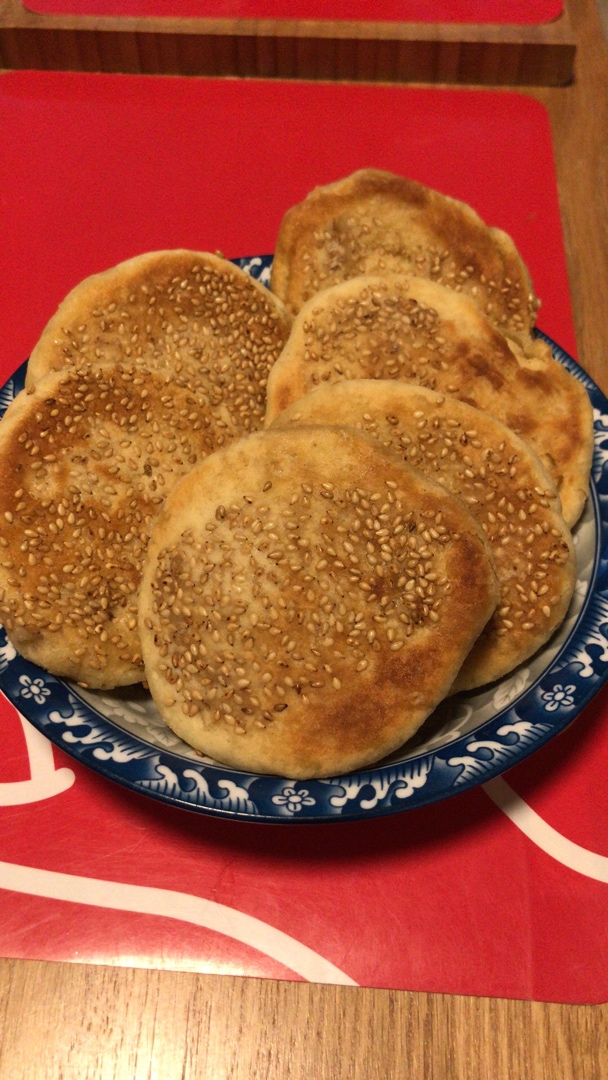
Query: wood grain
x=73 y=1022
x=579 y=124
x=442 y=52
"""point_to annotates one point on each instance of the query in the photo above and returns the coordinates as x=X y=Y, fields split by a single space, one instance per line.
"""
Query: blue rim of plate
x=546 y=707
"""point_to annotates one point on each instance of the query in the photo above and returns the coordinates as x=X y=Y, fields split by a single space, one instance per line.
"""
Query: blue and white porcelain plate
x=467 y=741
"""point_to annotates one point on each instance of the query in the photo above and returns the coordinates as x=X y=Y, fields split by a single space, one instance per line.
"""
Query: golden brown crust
x=375 y=222
x=184 y=312
x=502 y=482
x=297 y=616
x=410 y=329
x=88 y=457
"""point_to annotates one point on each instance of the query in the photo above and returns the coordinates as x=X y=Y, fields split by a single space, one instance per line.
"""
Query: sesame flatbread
x=190 y=313
x=374 y=222
x=88 y=458
x=505 y=487
x=307 y=600
x=413 y=330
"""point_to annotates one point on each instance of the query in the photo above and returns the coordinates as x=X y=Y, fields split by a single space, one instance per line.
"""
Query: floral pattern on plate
x=467 y=741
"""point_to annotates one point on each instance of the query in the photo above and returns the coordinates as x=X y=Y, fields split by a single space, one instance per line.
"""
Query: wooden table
x=75 y=1021
x=307 y=48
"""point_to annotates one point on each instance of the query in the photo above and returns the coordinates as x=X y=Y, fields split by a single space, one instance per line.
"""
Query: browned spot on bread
x=505 y=487
x=408 y=329
x=281 y=626
x=376 y=222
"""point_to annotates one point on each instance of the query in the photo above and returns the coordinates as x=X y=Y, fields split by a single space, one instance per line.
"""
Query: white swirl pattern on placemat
x=143 y=899
x=45 y=780
x=543 y=835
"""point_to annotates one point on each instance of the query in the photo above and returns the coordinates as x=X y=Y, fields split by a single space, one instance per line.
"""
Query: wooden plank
x=115 y=1022
x=285 y=49
x=149 y=56
x=415 y=52
x=266 y=57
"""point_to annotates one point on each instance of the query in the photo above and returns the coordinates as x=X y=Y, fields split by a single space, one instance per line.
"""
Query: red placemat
x=500 y=891
x=425 y=11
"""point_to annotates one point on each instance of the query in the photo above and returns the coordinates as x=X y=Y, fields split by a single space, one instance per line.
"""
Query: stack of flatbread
x=304 y=515
x=143 y=371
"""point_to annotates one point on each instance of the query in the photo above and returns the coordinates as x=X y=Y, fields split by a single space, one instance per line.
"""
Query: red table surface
x=425 y=11
x=457 y=897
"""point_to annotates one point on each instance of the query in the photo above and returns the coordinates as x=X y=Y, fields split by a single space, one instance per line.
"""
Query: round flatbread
x=88 y=458
x=410 y=329
x=374 y=222
x=502 y=482
x=186 y=313
x=307 y=600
